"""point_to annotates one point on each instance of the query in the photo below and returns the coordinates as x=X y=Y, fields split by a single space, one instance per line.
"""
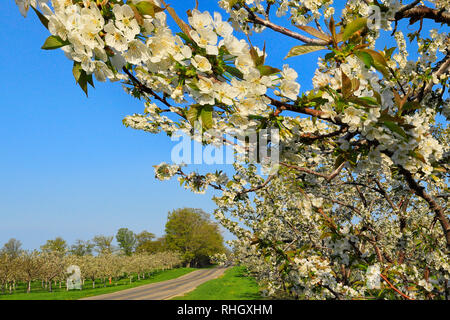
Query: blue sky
x=68 y=167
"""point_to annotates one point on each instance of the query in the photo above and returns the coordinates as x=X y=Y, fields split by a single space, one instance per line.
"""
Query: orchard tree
x=90 y=268
x=357 y=205
x=7 y=267
x=12 y=248
x=53 y=267
x=82 y=248
x=31 y=267
x=58 y=245
x=103 y=244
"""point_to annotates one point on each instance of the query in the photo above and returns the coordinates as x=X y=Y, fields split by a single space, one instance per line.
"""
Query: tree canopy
x=127 y=240
x=82 y=248
x=191 y=232
x=57 y=245
x=12 y=248
x=103 y=244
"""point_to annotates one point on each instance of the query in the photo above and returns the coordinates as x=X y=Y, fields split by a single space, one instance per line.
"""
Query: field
x=39 y=293
x=233 y=285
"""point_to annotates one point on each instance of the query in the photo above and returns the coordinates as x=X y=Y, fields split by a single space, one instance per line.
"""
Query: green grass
x=233 y=285
x=61 y=294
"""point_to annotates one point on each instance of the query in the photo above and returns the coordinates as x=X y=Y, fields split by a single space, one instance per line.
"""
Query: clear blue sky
x=68 y=167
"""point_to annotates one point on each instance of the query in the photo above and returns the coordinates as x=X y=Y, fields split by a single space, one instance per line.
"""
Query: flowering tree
x=53 y=267
x=357 y=206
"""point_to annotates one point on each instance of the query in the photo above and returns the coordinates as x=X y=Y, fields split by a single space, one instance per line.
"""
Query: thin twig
x=264 y=22
x=394 y=288
x=327 y=177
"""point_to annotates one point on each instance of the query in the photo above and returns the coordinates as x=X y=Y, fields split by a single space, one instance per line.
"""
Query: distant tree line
x=188 y=231
x=49 y=268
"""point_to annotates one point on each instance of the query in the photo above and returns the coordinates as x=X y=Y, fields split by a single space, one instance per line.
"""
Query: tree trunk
x=29 y=287
x=50 y=286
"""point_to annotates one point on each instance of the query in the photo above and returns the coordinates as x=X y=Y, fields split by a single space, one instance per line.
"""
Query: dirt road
x=166 y=289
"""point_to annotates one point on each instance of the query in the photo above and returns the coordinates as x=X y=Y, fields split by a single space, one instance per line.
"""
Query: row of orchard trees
x=50 y=268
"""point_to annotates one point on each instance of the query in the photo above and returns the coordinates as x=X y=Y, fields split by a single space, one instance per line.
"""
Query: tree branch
x=327 y=177
x=265 y=22
x=434 y=206
x=394 y=288
x=265 y=183
x=415 y=14
x=442 y=67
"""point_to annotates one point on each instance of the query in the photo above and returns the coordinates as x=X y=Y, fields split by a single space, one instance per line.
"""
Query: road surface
x=166 y=289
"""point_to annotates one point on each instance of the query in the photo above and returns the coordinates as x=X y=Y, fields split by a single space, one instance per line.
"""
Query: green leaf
x=267 y=70
x=206 y=116
x=385 y=116
x=353 y=27
x=81 y=78
x=233 y=2
x=54 y=42
x=314 y=32
x=418 y=156
x=369 y=100
x=411 y=105
x=394 y=127
x=379 y=62
x=83 y=84
x=377 y=96
x=299 y=50
x=90 y=80
x=364 y=57
x=255 y=57
x=339 y=160
x=360 y=267
x=193 y=114
x=332 y=28
x=183 y=36
x=148 y=8
x=389 y=52
x=234 y=71
x=346 y=85
x=330 y=55
x=137 y=14
x=41 y=17
x=77 y=71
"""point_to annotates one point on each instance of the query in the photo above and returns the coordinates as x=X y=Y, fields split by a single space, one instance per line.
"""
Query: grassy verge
x=88 y=291
x=233 y=285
